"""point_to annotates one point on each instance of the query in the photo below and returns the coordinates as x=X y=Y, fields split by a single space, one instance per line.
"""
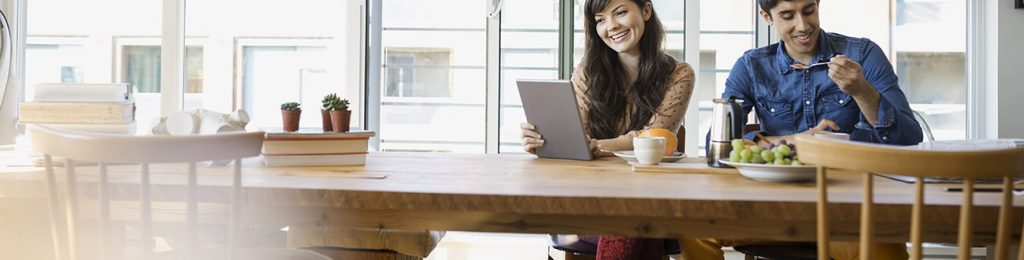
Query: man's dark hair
x=769 y=4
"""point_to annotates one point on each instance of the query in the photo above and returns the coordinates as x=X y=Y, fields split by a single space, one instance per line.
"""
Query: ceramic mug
x=648 y=149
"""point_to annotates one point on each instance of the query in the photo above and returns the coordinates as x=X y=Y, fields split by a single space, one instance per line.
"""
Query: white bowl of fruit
x=772 y=163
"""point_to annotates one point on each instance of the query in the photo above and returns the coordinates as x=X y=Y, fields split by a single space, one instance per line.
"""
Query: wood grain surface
x=521 y=193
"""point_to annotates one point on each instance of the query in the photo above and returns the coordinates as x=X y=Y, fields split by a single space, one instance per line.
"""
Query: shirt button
x=842 y=101
x=773 y=110
x=808 y=102
x=885 y=138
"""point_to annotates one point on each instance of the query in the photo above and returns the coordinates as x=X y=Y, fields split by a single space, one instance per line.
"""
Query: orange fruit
x=670 y=138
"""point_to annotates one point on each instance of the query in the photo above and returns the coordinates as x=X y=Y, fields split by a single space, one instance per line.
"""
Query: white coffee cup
x=648 y=149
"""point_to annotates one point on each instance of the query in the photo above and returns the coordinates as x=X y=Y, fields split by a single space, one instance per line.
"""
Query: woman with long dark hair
x=626 y=83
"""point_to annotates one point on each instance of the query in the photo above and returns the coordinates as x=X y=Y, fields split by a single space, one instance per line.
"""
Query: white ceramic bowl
x=774 y=173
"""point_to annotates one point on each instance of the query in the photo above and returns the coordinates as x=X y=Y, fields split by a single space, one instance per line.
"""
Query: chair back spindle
x=969 y=165
x=79 y=147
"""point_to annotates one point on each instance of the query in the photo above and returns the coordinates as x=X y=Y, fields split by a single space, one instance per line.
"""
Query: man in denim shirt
x=857 y=93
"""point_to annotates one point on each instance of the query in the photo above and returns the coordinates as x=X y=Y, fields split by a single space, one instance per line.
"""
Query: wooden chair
x=104 y=150
x=830 y=155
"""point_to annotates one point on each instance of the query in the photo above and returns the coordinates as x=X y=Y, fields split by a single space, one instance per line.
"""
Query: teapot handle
x=735 y=114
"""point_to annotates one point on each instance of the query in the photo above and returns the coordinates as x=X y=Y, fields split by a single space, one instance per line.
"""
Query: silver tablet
x=551 y=106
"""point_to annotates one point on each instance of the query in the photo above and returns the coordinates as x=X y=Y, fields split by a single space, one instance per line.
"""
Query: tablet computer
x=550 y=105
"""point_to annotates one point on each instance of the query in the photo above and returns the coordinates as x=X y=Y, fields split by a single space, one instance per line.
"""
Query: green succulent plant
x=290 y=106
x=339 y=105
x=328 y=100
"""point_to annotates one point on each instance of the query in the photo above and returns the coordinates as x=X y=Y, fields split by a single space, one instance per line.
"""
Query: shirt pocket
x=777 y=116
x=837 y=106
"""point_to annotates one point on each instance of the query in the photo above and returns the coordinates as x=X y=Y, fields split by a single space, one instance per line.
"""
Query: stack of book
x=105 y=108
x=313 y=147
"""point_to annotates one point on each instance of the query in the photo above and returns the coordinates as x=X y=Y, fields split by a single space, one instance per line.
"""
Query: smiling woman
x=626 y=83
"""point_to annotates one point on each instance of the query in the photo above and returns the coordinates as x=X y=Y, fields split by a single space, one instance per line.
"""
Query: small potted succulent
x=340 y=115
x=290 y=112
x=325 y=115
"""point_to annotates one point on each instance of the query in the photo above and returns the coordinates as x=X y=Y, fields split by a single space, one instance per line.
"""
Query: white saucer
x=629 y=157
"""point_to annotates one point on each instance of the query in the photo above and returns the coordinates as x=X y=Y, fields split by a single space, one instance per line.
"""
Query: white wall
x=1004 y=76
x=1011 y=71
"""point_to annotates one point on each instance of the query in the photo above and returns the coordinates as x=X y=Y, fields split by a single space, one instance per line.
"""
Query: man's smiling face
x=798 y=25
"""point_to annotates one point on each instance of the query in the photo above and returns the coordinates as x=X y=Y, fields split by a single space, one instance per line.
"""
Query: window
x=54 y=59
x=85 y=50
x=421 y=72
x=433 y=71
x=433 y=76
x=926 y=41
x=141 y=68
x=726 y=32
x=929 y=39
x=277 y=71
x=529 y=50
x=269 y=54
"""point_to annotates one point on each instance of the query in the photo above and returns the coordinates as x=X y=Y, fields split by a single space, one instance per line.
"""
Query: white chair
x=104 y=150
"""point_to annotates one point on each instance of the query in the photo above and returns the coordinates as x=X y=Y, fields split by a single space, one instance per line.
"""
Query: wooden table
x=523 y=194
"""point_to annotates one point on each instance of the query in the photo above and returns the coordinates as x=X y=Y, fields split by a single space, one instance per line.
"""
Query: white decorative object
x=201 y=121
x=181 y=123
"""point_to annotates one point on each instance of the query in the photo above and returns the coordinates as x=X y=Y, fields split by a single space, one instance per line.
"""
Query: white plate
x=774 y=173
x=629 y=157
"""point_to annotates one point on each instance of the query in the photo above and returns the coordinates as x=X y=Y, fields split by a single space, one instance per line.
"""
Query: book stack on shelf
x=313 y=147
x=103 y=108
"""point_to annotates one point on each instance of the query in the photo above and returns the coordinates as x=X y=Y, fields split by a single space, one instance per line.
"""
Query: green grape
x=745 y=160
x=746 y=155
x=784 y=149
x=796 y=163
x=778 y=154
x=757 y=159
x=768 y=156
x=734 y=156
x=780 y=161
x=737 y=144
x=788 y=161
x=756 y=148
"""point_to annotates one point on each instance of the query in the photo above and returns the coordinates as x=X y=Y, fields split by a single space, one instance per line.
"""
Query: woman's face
x=621 y=24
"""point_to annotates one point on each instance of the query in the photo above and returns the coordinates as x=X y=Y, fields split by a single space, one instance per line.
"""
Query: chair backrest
x=927 y=129
x=105 y=149
x=830 y=154
x=681 y=137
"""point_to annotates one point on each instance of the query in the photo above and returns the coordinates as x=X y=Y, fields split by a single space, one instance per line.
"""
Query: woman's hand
x=595 y=147
x=531 y=139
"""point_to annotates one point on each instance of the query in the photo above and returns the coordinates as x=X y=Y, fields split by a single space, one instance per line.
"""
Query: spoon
x=807 y=67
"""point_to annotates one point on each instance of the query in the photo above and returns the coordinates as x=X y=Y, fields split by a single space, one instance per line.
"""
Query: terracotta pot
x=290 y=120
x=340 y=120
x=325 y=118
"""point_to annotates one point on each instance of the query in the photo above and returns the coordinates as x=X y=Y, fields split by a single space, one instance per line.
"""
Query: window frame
x=173 y=43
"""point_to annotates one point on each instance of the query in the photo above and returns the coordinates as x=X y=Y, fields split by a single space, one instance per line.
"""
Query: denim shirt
x=790 y=101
